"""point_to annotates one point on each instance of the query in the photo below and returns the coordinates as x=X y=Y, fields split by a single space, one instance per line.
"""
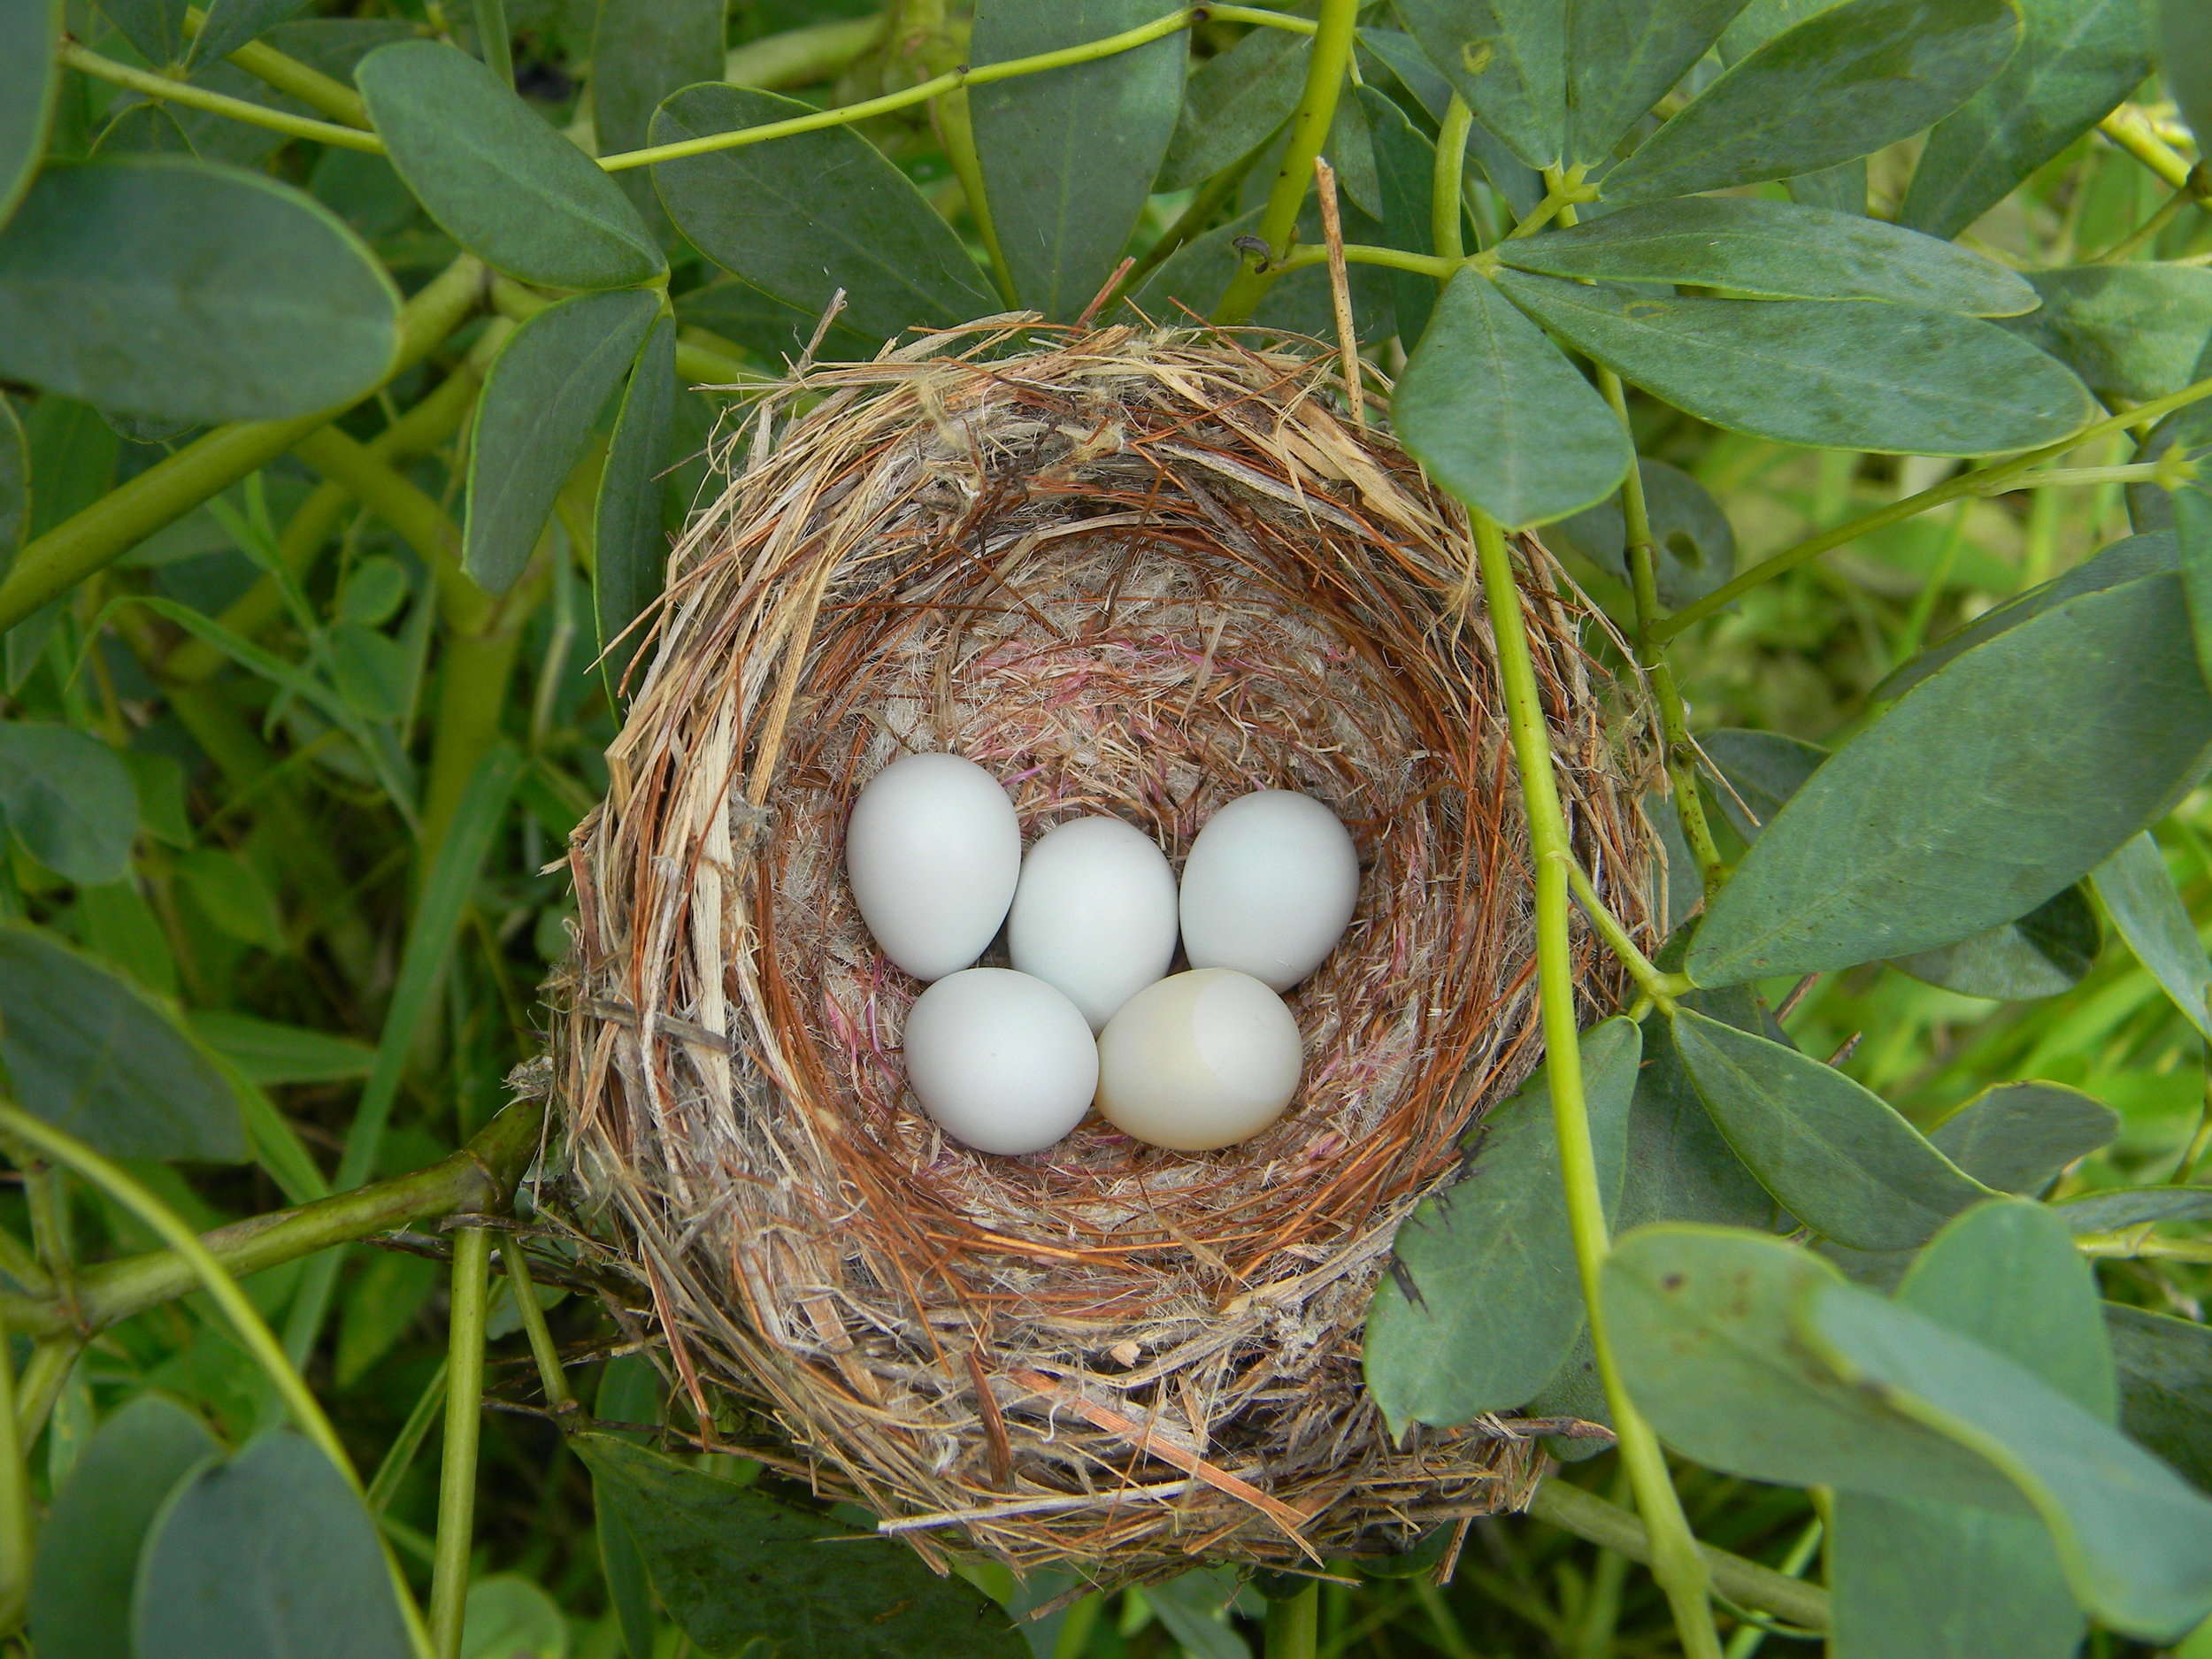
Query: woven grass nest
x=1131 y=571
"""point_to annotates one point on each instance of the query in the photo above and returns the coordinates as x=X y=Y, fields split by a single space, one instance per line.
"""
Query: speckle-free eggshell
x=1003 y=1061
x=1201 y=1060
x=1269 y=887
x=932 y=851
x=1095 y=913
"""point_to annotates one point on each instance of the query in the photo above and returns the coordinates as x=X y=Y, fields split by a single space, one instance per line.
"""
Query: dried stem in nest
x=1132 y=572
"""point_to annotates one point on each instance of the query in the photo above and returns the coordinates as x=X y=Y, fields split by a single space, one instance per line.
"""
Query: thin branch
x=162 y=88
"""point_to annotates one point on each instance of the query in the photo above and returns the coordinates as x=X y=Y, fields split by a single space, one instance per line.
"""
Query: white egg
x=1094 y=914
x=932 y=851
x=1269 y=887
x=1003 y=1061
x=1202 y=1060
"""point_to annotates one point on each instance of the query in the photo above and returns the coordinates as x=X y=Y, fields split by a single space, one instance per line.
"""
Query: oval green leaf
x=2137 y=892
x=30 y=71
x=1233 y=102
x=1508 y=59
x=1069 y=155
x=231 y=24
x=1701 y=1321
x=264 y=1557
x=2006 y=776
x=2165 y=1386
x=2135 y=1540
x=1890 y=378
x=2016 y=1137
x=507 y=1616
x=2077 y=59
x=88 y=1550
x=630 y=551
x=2118 y=1207
x=1759 y=772
x=1623 y=56
x=642 y=52
x=69 y=799
x=1839 y=85
x=2045 y=953
x=1484 y=1301
x=88 y=1053
x=1696 y=544
x=1834 y=1154
x=800 y=218
x=1776 y=250
x=732 y=1564
x=2185 y=41
x=1405 y=164
x=167 y=287
x=540 y=401
x=497 y=179
x=2129 y=331
x=1500 y=418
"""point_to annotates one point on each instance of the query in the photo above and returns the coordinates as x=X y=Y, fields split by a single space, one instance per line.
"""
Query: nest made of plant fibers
x=1128 y=572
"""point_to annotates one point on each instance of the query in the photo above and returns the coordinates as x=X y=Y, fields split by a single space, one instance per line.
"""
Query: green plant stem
x=2130 y=129
x=464 y=1417
x=200 y=1263
x=72 y=550
x=551 y=1378
x=2170 y=470
x=399 y=1456
x=2138 y=1243
x=1663 y=988
x=1747 y=1641
x=1643 y=571
x=1293 y=1625
x=1981 y=481
x=1261 y=16
x=1193 y=219
x=949 y=113
x=1325 y=68
x=1675 y=1561
x=17 y=1263
x=801 y=57
x=422 y=522
x=1312 y=253
x=491 y=42
x=478 y=1178
x=1560 y=1503
x=45 y=1373
x=16 y=1530
x=162 y=89
x=1447 y=181
x=273 y=68
x=2145 y=234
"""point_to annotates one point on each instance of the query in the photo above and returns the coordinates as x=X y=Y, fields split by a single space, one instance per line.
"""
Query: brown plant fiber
x=1128 y=572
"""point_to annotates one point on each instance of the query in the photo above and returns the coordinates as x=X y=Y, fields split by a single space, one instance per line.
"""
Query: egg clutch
x=1009 y=1060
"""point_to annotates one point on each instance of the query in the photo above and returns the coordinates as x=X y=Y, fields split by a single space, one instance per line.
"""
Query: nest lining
x=1129 y=572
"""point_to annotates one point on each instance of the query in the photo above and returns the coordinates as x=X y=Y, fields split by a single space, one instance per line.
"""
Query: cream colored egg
x=1201 y=1060
x=1093 y=914
x=933 y=852
x=1269 y=887
x=1003 y=1061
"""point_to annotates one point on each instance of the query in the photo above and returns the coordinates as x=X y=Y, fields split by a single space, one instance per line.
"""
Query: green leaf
x=1196 y=275
x=1508 y=59
x=631 y=551
x=270 y=1053
x=1193 y=1608
x=1760 y=771
x=762 y=323
x=1623 y=56
x=641 y=51
x=2135 y=1540
x=265 y=1556
x=1069 y=155
x=154 y=28
x=1696 y=545
x=382 y=1302
x=374 y=590
x=2006 y=776
x=540 y=401
x=1839 y=85
x=30 y=72
x=2165 y=1386
x=2129 y=331
x=1520 y=186
x=165 y=287
x=2120 y=1207
x=497 y=179
x=88 y=1550
x=90 y=1054
x=732 y=1564
x=1887 y=378
x=2077 y=59
x=1832 y=1152
x=158 y=779
x=1350 y=149
x=1495 y=1303
x=1685 y=1170
x=1918 y=1580
x=2185 y=39
x=1775 y=250
x=2044 y=953
x=1701 y=1321
x=15 y=485
x=2016 y=1137
x=629 y=1392
x=802 y=217
x=1233 y=102
x=2138 y=894
x=372 y=671
x=234 y=23
x=69 y=799
x=233 y=896
x=1500 y=418
x=1838 y=189
x=1405 y=163
x=509 y=1618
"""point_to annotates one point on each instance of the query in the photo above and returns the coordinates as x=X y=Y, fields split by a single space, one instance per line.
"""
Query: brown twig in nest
x=1132 y=572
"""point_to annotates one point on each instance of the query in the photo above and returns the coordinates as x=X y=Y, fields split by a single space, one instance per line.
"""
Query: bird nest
x=1129 y=571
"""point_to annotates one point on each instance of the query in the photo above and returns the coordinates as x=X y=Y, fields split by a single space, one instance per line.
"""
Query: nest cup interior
x=1133 y=574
